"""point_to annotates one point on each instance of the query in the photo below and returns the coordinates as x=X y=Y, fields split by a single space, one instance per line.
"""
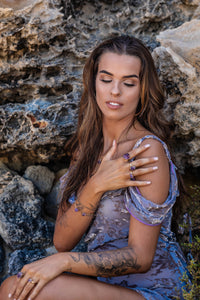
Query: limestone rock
x=178 y=60
x=41 y=177
x=21 y=224
x=185 y=41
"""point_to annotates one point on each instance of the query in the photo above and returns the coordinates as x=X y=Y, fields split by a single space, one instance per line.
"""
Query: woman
x=120 y=191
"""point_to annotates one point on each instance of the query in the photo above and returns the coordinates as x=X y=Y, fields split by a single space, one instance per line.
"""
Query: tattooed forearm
x=110 y=263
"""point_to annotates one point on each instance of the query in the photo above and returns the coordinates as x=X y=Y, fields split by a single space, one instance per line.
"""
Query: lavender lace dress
x=110 y=230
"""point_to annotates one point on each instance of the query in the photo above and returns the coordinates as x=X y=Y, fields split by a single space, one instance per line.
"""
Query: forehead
x=120 y=64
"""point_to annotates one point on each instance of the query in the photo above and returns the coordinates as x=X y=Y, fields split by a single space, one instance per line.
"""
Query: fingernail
x=148 y=182
x=155 y=168
x=155 y=158
x=147 y=145
x=114 y=142
x=10 y=295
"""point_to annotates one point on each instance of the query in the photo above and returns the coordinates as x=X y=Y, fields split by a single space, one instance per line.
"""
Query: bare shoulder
x=157 y=191
x=156 y=149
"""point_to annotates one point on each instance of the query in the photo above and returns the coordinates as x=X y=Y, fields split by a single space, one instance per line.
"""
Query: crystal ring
x=126 y=156
x=31 y=281
x=20 y=275
x=132 y=168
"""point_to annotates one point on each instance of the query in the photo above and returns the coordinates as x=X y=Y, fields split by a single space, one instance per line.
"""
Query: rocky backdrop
x=43 y=46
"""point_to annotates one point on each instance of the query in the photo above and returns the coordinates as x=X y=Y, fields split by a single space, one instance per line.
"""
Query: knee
x=5 y=288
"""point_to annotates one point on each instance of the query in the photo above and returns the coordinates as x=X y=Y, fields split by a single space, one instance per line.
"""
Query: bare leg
x=67 y=287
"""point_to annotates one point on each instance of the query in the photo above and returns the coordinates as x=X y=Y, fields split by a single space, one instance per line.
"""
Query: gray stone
x=21 y=223
x=19 y=258
x=6 y=175
x=51 y=201
x=2 y=256
x=41 y=177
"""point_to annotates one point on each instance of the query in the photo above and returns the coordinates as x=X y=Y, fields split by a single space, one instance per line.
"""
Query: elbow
x=60 y=246
x=146 y=263
x=145 y=266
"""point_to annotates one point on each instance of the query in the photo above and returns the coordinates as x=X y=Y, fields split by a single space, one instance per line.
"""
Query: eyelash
x=127 y=84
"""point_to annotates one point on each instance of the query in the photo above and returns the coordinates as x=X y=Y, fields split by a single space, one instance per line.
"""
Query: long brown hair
x=86 y=145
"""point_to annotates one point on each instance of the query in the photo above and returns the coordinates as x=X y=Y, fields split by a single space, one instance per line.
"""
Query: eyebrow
x=126 y=76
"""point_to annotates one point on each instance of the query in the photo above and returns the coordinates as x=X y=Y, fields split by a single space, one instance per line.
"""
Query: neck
x=119 y=131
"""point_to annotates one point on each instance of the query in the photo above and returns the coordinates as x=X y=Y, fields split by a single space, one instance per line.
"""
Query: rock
x=184 y=41
x=178 y=61
x=41 y=177
x=2 y=257
x=21 y=224
x=51 y=202
x=6 y=175
x=43 y=46
x=19 y=258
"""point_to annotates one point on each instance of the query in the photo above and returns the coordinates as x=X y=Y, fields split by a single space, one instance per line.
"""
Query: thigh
x=73 y=287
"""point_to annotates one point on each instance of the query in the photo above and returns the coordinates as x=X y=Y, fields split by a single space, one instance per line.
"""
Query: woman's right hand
x=116 y=173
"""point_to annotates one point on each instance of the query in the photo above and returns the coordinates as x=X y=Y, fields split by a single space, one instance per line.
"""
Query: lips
x=114 y=104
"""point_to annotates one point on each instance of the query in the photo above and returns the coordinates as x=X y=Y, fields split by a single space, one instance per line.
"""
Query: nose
x=115 y=90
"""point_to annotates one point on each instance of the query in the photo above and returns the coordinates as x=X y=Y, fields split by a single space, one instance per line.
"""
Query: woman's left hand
x=34 y=276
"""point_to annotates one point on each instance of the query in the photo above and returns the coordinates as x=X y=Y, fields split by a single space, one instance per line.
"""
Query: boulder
x=21 y=222
x=41 y=177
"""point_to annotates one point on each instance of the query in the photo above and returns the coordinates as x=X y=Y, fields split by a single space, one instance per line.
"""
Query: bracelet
x=80 y=207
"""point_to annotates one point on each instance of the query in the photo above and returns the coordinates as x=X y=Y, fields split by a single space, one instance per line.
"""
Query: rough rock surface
x=21 y=224
x=43 y=46
x=19 y=258
x=178 y=60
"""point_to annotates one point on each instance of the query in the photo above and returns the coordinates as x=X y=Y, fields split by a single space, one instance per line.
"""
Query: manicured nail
x=155 y=158
x=148 y=182
x=155 y=168
x=114 y=142
x=10 y=295
x=147 y=145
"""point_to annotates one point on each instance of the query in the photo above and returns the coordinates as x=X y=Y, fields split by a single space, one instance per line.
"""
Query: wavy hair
x=86 y=145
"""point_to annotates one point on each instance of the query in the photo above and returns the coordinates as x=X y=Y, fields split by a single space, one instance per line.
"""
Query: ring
x=131 y=176
x=126 y=156
x=20 y=275
x=132 y=168
x=31 y=281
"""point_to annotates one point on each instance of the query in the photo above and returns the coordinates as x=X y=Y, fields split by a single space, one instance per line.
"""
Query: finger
x=27 y=289
x=12 y=290
x=138 y=183
x=143 y=161
x=138 y=150
x=109 y=155
x=142 y=171
x=36 y=290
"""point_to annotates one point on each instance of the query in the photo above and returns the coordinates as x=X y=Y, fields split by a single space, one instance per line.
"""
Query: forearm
x=72 y=224
x=107 y=263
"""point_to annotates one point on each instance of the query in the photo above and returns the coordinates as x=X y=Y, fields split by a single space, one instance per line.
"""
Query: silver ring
x=131 y=176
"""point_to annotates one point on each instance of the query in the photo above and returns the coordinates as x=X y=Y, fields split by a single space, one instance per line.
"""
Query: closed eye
x=129 y=84
x=106 y=81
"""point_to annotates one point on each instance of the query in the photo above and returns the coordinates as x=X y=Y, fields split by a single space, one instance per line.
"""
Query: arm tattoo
x=110 y=263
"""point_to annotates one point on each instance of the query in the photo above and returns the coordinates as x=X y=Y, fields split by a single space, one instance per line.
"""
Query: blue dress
x=110 y=230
